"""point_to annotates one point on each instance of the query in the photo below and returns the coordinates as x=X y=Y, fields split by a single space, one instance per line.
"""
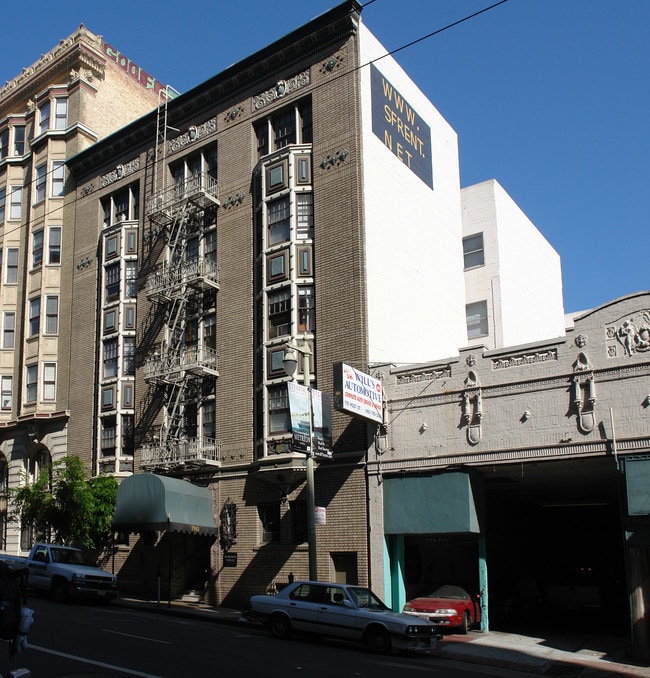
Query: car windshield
x=366 y=598
x=448 y=591
x=68 y=556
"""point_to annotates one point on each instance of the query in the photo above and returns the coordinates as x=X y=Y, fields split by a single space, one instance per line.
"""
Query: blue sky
x=549 y=97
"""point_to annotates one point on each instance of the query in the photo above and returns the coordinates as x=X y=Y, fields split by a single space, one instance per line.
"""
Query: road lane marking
x=103 y=665
x=131 y=635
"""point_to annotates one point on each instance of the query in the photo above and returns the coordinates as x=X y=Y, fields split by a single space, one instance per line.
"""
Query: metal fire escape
x=177 y=366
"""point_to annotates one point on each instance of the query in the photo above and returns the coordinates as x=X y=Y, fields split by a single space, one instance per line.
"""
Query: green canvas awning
x=149 y=502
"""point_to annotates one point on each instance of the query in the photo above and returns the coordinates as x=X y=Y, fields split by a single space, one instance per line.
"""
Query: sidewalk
x=580 y=655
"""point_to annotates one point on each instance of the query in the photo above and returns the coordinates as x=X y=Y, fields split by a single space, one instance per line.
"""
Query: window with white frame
x=306 y=309
x=31 y=383
x=195 y=171
x=44 y=118
x=131 y=279
x=6 y=393
x=15 y=202
x=34 y=316
x=51 y=314
x=40 y=183
x=128 y=362
x=54 y=245
x=279 y=221
x=477 y=319
x=127 y=437
x=4 y=144
x=110 y=358
x=8 y=329
x=473 y=252
x=289 y=126
x=305 y=215
x=123 y=205
x=11 y=272
x=49 y=381
x=37 y=248
x=108 y=436
x=60 y=113
x=112 y=282
x=279 y=421
x=58 y=176
x=19 y=140
x=3 y=204
x=279 y=303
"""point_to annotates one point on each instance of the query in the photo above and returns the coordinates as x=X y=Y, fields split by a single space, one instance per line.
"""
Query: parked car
x=343 y=611
x=447 y=606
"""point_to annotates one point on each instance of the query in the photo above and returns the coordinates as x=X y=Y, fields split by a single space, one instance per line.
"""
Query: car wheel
x=378 y=640
x=60 y=590
x=466 y=625
x=280 y=626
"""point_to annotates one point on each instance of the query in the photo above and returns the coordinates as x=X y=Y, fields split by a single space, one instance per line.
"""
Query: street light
x=290 y=363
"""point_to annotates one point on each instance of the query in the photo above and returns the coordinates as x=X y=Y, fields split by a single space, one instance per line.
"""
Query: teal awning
x=149 y=502
x=438 y=504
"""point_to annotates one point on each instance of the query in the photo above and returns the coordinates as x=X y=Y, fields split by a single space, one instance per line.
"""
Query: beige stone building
x=76 y=93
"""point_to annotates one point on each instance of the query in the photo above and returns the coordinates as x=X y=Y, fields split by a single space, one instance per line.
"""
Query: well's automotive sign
x=357 y=393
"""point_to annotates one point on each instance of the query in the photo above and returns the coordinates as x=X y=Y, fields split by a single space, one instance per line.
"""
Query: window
x=128 y=440
x=3 y=204
x=208 y=420
x=193 y=172
x=276 y=266
x=112 y=246
x=44 y=118
x=477 y=320
x=279 y=222
x=49 y=381
x=34 y=316
x=303 y=169
x=110 y=321
x=305 y=214
x=54 y=245
x=121 y=206
x=58 y=175
x=37 y=249
x=60 y=113
x=4 y=144
x=131 y=279
x=276 y=177
x=275 y=366
x=6 y=393
x=299 y=521
x=129 y=317
x=128 y=364
x=127 y=395
x=210 y=246
x=108 y=397
x=31 y=383
x=15 y=202
x=41 y=180
x=112 y=275
x=278 y=409
x=131 y=241
x=12 y=266
x=306 y=309
x=108 y=436
x=473 y=253
x=19 y=140
x=290 y=126
x=9 y=330
x=279 y=312
x=269 y=515
x=110 y=358
x=304 y=261
x=51 y=315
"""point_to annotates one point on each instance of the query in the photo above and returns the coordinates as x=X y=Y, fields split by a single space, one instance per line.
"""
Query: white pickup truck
x=64 y=572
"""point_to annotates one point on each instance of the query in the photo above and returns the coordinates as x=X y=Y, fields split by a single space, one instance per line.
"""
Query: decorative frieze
x=194 y=133
x=120 y=172
x=281 y=89
x=425 y=375
x=524 y=359
x=628 y=336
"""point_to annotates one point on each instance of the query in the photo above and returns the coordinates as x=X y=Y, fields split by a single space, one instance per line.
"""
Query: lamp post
x=290 y=363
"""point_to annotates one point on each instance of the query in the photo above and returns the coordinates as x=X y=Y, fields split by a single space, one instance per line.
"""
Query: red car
x=447 y=606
